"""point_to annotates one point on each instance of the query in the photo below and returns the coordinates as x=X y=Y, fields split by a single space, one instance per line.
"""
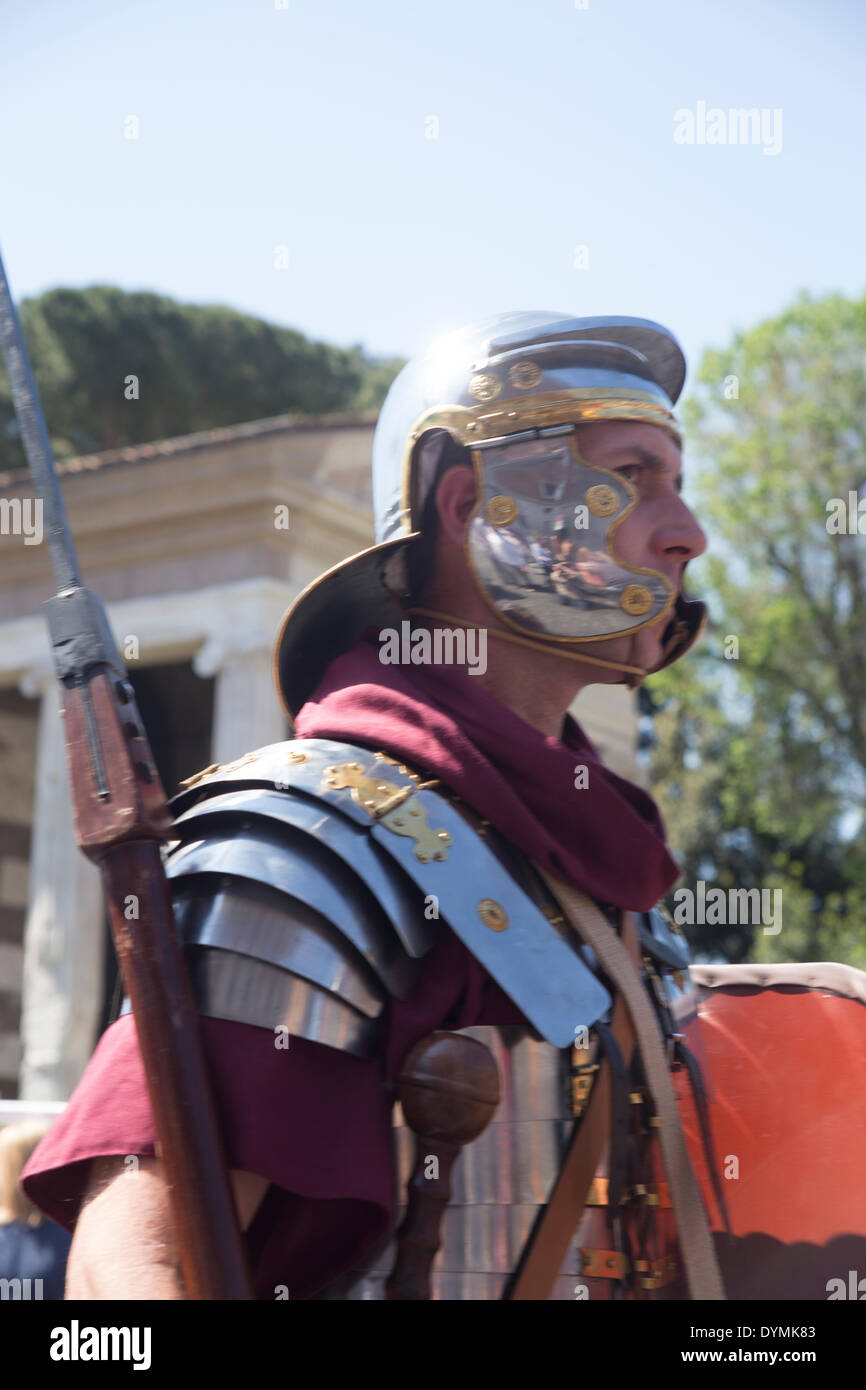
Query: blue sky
x=308 y=127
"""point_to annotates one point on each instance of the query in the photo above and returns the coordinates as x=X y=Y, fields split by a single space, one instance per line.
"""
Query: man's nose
x=679 y=530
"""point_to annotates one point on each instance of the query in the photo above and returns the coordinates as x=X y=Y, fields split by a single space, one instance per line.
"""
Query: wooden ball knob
x=449 y=1087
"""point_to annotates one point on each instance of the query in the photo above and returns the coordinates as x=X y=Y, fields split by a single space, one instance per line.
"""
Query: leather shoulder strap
x=619 y=958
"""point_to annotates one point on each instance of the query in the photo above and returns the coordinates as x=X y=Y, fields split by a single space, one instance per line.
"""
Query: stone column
x=62 y=986
x=247 y=712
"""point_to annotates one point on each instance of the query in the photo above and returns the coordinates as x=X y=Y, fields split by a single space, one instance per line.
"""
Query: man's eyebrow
x=651 y=459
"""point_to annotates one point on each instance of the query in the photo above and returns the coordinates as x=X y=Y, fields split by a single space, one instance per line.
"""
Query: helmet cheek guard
x=541 y=543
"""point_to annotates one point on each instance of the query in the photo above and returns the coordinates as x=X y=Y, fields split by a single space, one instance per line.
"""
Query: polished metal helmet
x=540 y=543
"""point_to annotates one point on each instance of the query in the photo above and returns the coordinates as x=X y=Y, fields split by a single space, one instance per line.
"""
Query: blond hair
x=17 y=1142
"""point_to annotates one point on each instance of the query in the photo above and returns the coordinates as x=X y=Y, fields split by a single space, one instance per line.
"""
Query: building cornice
x=210 y=626
x=190 y=443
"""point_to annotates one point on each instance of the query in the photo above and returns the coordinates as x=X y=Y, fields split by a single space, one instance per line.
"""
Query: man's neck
x=534 y=687
x=538 y=685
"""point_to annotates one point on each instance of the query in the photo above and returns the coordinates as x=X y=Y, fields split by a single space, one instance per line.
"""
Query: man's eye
x=631 y=468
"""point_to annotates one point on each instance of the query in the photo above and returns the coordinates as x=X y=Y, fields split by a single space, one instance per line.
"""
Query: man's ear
x=455 y=500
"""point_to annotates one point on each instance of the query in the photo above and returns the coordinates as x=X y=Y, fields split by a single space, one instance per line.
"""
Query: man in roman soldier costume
x=436 y=891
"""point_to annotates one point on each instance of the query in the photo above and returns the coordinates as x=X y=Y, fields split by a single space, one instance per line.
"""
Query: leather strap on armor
x=618 y=959
x=545 y=1250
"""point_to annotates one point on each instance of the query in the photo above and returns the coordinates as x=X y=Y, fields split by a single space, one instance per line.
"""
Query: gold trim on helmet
x=578 y=405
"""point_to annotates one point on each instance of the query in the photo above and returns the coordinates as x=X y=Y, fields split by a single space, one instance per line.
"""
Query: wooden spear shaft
x=121 y=817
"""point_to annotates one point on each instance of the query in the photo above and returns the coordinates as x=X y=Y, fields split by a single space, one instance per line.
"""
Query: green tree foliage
x=759 y=762
x=198 y=367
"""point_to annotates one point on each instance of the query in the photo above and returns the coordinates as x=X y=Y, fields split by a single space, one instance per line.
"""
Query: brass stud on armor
x=636 y=600
x=485 y=387
x=493 y=914
x=500 y=510
x=601 y=500
x=525 y=375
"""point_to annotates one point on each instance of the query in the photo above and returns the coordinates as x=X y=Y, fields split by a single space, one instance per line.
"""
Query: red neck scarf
x=606 y=838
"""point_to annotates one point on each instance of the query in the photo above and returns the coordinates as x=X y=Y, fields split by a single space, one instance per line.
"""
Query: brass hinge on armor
x=394 y=806
x=292 y=756
x=613 y=1264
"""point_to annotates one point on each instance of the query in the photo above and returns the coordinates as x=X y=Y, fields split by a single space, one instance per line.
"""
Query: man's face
x=660 y=533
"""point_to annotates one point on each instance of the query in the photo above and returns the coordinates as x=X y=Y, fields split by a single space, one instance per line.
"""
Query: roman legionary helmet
x=507 y=394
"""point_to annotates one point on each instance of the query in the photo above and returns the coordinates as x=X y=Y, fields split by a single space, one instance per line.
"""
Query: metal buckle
x=582 y=1074
x=656 y=1273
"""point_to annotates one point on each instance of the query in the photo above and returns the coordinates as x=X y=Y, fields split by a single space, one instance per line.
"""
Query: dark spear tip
x=35 y=438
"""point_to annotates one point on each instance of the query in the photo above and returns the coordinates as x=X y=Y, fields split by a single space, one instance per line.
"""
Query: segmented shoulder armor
x=311 y=877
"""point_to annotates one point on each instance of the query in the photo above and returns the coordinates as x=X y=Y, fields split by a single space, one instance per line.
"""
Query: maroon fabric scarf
x=606 y=838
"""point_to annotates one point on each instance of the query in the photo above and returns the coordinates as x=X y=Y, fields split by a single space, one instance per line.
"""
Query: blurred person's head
x=17 y=1142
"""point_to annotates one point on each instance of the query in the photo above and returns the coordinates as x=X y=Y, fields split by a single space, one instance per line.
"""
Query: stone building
x=182 y=541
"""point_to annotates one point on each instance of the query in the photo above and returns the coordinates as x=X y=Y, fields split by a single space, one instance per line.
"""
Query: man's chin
x=642 y=650
x=649 y=641
x=623 y=650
